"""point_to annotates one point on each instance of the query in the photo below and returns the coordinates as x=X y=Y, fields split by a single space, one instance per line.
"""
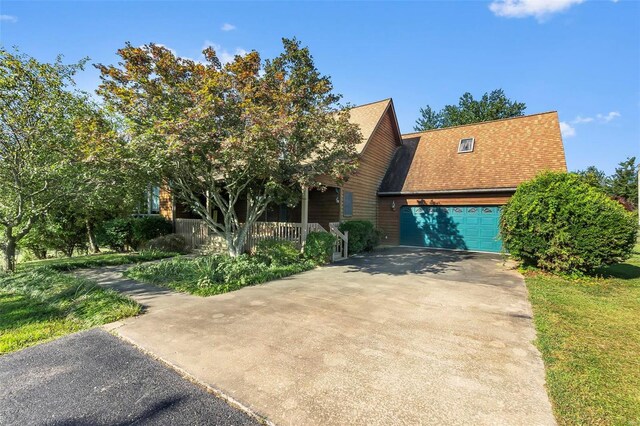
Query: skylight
x=466 y=145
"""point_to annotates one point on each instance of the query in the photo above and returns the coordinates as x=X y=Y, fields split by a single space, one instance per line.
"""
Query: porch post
x=305 y=216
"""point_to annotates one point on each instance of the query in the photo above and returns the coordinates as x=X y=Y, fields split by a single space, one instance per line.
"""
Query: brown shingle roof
x=506 y=153
x=367 y=117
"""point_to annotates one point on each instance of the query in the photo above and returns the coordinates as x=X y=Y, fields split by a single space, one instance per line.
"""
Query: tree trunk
x=10 y=251
x=91 y=233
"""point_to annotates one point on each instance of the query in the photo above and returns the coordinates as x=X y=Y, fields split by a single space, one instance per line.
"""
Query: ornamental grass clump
x=558 y=223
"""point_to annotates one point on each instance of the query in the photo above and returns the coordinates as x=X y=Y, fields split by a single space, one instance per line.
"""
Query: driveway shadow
x=404 y=261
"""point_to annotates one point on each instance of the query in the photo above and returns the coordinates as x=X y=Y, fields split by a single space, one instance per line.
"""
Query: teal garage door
x=451 y=227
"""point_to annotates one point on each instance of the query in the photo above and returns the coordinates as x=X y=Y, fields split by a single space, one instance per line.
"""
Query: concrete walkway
x=151 y=297
x=402 y=336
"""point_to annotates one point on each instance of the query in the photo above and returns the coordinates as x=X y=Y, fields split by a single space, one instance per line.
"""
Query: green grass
x=210 y=275
x=40 y=304
x=589 y=336
x=95 y=260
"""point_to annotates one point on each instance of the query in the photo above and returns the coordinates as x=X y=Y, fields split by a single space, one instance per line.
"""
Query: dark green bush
x=172 y=243
x=559 y=223
x=120 y=234
x=277 y=252
x=146 y=228
x=363 y=236
x=116 y=234
x=319 y=247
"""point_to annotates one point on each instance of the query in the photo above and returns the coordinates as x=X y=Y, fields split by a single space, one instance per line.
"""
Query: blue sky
x=581 y=58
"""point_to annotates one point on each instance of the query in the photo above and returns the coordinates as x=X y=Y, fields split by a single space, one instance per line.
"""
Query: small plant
x=277 y=252
x=363 y=236
x=559 y=223
x=319 y=247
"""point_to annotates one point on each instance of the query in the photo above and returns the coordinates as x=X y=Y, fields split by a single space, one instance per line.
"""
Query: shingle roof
x=367 y=117
x=506 y=153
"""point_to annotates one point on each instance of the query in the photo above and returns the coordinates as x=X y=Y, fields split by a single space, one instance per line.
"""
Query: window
x=348 y=203
x=154 y=200
x=466 y=145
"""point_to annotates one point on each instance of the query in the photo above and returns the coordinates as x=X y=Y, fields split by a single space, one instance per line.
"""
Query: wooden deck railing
x=193 y=230
x=197 y=233
x=341 y=248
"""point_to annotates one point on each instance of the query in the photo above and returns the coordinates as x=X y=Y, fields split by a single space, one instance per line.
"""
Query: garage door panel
x=457 y=227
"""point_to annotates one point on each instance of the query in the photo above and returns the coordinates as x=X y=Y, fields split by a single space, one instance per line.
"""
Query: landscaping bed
x=40 y=304
x=215 y=274
x=589 y=335
x=95 y=260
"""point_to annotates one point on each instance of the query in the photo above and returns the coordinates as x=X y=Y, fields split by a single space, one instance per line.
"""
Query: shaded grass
x=589 y=335
x=211 y=275
x=95 y=260
x=40 y=304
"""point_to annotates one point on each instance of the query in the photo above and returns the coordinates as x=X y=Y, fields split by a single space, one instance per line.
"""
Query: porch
x=198 y=234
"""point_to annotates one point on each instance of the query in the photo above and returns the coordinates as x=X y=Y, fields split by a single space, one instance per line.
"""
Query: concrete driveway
x=400 y=336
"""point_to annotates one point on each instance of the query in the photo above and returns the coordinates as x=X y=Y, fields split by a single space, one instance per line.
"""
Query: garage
x=451 y=227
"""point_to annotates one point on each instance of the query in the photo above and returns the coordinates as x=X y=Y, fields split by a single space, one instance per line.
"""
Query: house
x=440 y=188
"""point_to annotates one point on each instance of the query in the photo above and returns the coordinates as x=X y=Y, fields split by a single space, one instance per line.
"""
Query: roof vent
x=466 y=145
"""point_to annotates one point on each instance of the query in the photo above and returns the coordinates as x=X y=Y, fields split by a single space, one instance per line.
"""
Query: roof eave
x=449 y=191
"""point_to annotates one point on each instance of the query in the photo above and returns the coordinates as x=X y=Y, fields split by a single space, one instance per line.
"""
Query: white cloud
x=567 y=130
x=539 y=9
x=581 y=120
x=227 y=27
x=224 y=55
x=607 y=118
x=8 y=18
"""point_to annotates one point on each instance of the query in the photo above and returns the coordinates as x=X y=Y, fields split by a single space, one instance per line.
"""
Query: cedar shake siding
x=375 y=157
x=389 y=219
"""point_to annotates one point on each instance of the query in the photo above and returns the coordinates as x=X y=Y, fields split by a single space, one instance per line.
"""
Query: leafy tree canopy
x=624 y=182
x=492 y=106
x=232 y=136
x=38 y=148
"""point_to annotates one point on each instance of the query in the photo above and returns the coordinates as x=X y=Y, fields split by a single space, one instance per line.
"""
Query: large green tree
x=236 y=136
x=624 y=181
x=492 y=106
x=37 y=144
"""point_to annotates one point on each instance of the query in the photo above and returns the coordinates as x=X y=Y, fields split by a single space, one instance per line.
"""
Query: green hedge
x=120 y=234
x=363 y=236
x=559 y=223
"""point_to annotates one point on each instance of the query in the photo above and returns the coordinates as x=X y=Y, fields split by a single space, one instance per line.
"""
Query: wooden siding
x=374 y=161
x=389 y=219
x=166 y=206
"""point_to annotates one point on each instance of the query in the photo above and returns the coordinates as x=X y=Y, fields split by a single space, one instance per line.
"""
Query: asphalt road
x=94 y=378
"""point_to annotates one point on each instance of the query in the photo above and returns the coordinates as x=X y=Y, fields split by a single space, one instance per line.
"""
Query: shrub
x=319 y=247
x=559 y=223
x=172 y=243
x=362 y=235
x=132 y=232
x=277 y=252
x=115 y=234
x=146 y=228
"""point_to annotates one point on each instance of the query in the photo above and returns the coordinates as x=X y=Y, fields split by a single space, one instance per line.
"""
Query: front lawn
x=210 y=275
x=40 y=304
x=95 y=260
x=589 y=336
